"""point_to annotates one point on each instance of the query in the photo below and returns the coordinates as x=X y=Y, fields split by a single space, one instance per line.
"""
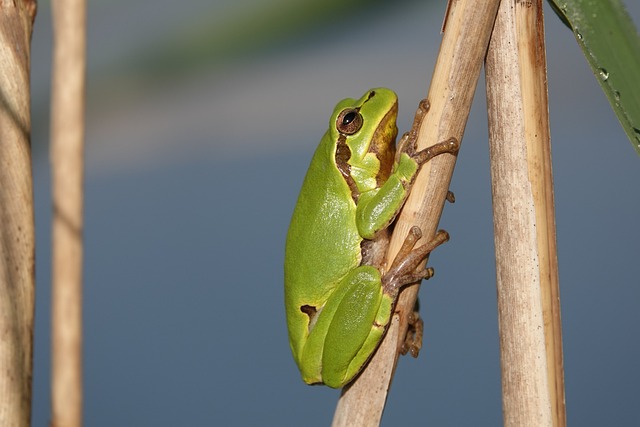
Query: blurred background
x=201 y=120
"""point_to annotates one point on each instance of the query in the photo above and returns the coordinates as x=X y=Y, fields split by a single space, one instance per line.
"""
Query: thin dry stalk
x=522 y=187
x=17 y=238
x=462 y=52
x=67 y=152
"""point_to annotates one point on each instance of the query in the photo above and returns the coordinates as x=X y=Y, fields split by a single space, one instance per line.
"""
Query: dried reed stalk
x=524 y=224
x=464 y=44
x=67 y=152
x=17 y=230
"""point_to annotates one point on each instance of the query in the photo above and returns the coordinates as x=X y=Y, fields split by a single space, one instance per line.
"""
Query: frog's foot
x=450 y=197
x=413 y=340
x=450 y=146
x=408 y=141
x=405 y=267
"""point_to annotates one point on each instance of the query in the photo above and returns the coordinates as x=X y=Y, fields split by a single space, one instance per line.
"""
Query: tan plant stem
x=17 y=235
x=67 y=152
x=524 y=225
x=456 y=73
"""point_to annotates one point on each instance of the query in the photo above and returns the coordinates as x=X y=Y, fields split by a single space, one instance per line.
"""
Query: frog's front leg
x=408 y=142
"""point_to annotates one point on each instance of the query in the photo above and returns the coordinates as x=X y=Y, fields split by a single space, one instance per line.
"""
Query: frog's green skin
x=338 y=298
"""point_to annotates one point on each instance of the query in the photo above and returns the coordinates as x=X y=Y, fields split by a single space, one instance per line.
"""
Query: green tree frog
x=339 y=293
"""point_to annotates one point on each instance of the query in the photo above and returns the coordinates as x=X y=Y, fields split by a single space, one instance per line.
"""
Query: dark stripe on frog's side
x=372 y=252
x=384 y=152
x=343 y=154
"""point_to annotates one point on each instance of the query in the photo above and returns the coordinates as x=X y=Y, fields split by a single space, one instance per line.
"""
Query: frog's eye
x=349 y=121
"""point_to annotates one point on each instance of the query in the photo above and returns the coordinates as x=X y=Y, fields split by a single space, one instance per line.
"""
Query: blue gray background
x=193 y=168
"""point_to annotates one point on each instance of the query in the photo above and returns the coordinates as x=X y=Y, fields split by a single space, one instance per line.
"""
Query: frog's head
x=365 y=131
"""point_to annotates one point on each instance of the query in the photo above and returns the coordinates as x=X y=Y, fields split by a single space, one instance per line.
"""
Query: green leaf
x=611 y=45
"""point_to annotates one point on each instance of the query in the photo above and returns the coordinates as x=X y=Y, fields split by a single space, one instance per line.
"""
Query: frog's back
x=323 y=243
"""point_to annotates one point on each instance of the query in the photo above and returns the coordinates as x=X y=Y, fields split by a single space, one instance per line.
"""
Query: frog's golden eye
x=349 y=121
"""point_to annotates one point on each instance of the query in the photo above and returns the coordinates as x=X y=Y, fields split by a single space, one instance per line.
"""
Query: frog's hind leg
x=415 y=328
x=405 y=268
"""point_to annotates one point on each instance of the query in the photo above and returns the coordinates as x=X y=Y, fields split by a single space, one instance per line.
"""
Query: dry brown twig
x=17 y=230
